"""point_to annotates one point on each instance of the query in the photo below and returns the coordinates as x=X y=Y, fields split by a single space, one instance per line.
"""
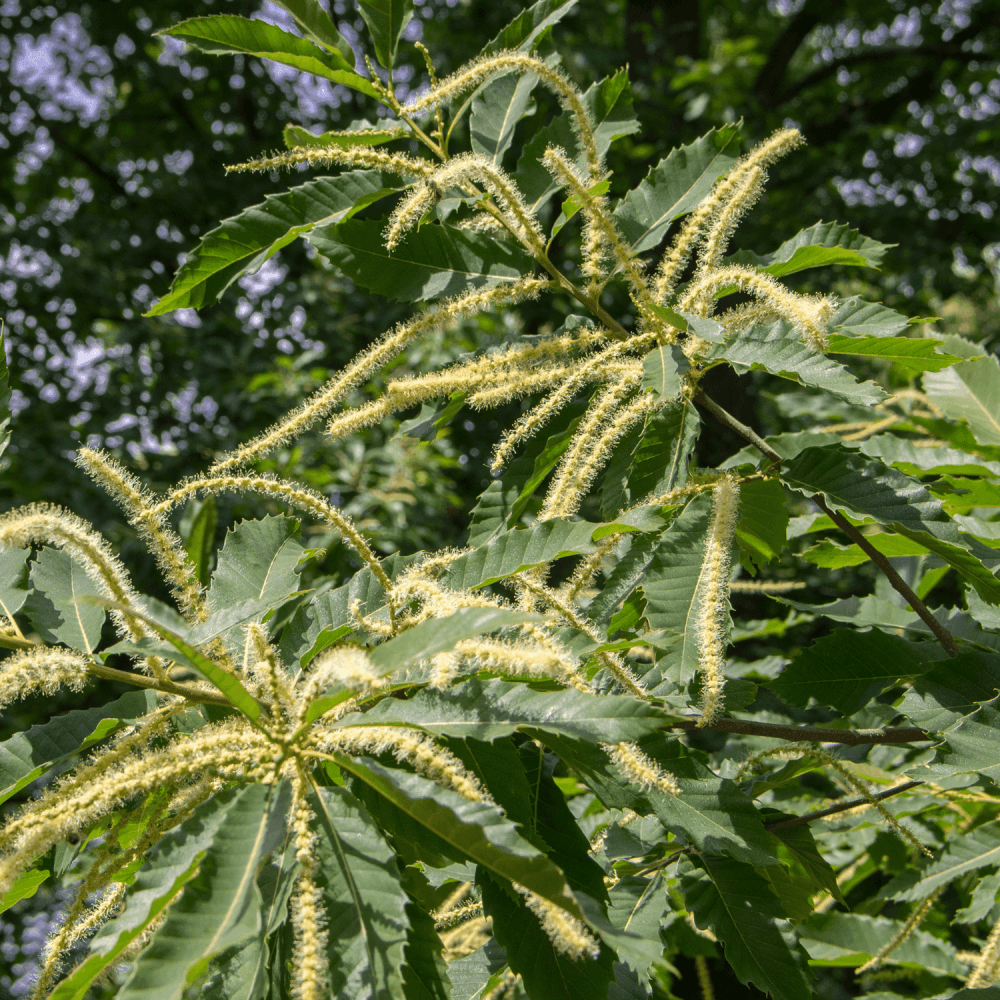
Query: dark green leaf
x=470 y=974
x=846 y=669
x=425 y=974
x=675 y=186
x=865 y=487
x=739 y=906
x=527 y=28
x=221 y=906
x=496 y=110
x=491 y=709
x=763 y=523
x=257 y=562
x=198 y=531
x=475 y=830
x=365 y=903
x=316 y=25
x=970 y=391
x=13 y=581
x=661 y=459
x=432 y=262
x=54 y=607
x=858 y=318
x=547 y=974
x=386 y=20
x=243 y=243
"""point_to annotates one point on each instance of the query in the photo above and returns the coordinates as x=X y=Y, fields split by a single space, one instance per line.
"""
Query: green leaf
x=54 y=607
x=661 y=459
x=503 y=502
x=198 y=532
x=763 y=524
x=475 y=830
x=496 y=110
x=425 y=974
x=638 y=907
x=28 y=755
x=883 y=613
x=529 y=26
x=433 y=261
x=963 y=853
x=914 y=461
x=365 y=903
x=740 y=907
x=974 y=493
x=432 y=419
x=661 y=370
x=609 y=106
x=316 y=24
x=846 y=669
x=491 y=709
x=13 y=580
x=221 y=906
x=865 y=487
x=982 y=901
x=675 y=186
x=225 y=34
x=172 y=863
x=671 y=587
x=799 y=855
x=257 y=562
x=859 y=318
x=520 y=549
x=818 y=246
x=243 y=243
x=911 y=353
x=850 y=939
x=471 y=974
x=296 y=135
x=829 y=555
x=546 y=972
x=24 y=887
x=779 y=349
x=970 y=391
x=386 y=20
x=438 y=635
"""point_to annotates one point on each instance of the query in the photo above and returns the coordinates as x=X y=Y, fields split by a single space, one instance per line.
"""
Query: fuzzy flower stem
x=359 y=157
x=568 y=935
x=640 y=769
x=372 y=360
x=984 y=972
x=167 y=548
x=482 y=69
x=714 y=594
x=912 y=923
x=614 y=665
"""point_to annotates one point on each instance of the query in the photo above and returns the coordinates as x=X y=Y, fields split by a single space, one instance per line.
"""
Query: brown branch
x=807 y=734
x=943 y=636
x=842 y=807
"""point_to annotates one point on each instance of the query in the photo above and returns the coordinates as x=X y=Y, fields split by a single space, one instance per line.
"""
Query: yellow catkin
x=309 y=958
x=475 y=72
x=165 y=545
x=987 y=968
x=912 y=923
x=368 y=362
x=47 y=524
x=745 y=195
x=41 y=671
x=522 y=659
x=704 y=978
x=566 y=491
x=713 y=594
x=568 y=935
x=640 y=769
x=358 y=157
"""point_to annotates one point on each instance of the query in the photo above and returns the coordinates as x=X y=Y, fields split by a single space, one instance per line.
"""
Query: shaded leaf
x=859 y=318
x=528 y=27
x=386 y=20
x=364 y=900
x=675 y=186
x=761 y=529
x=425 y=974
x=970 y=391
x=432 y=262
x=316 y=24
x=739 y=906
x=496 y=110
x=198 y=532
x=13 y=579
x=55 y=608
x=661 y=371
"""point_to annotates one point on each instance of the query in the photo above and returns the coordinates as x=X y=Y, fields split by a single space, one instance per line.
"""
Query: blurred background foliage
x=114 y=145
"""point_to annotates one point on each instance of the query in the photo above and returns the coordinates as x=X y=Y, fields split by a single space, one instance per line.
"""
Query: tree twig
x=150 y=683
x=808 y=734
x=842 y=807
x=943 y=636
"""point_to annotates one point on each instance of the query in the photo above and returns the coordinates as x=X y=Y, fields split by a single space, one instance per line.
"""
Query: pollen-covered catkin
x=568 y=935
x=43 y=670
x=713 y=594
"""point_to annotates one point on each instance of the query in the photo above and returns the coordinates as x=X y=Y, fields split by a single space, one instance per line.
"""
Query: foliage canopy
x=532 y=766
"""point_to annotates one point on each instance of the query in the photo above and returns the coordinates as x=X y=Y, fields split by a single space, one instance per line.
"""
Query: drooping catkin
x=640 y=769
x=713 y=595
x=986 y=971
x=568 y=935
x=43 y=670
